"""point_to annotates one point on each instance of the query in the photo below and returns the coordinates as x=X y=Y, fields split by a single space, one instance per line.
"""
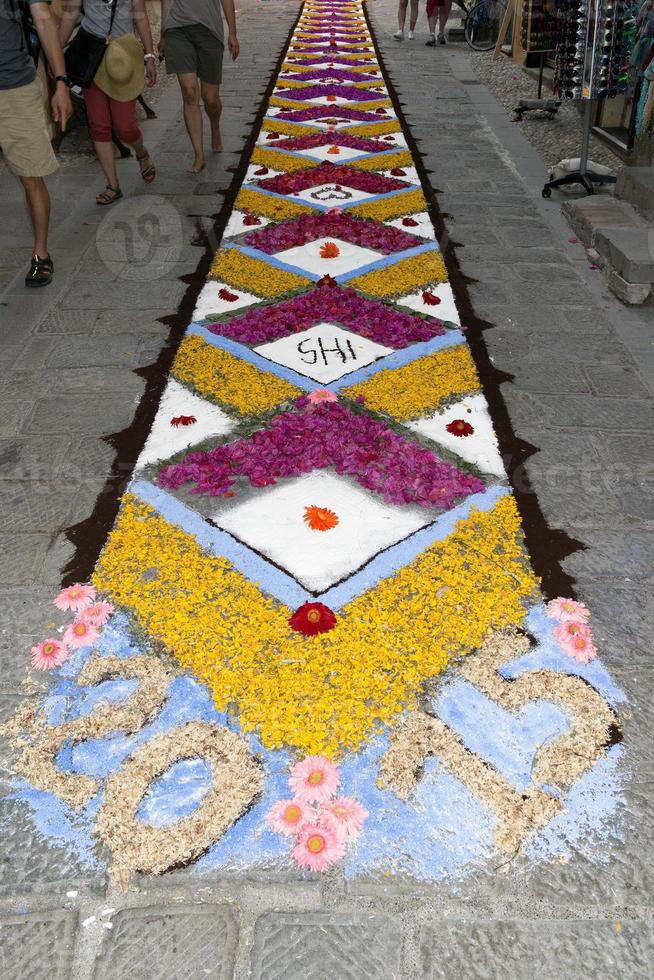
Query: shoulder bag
x=85 y=53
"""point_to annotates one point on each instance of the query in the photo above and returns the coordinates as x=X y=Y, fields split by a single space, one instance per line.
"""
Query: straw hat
x=121 y=75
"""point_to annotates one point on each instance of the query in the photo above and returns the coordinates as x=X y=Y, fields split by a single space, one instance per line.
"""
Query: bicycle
x=482 y=23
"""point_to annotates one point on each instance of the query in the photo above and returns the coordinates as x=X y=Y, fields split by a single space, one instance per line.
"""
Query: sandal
x=41 y=272
x=147 y=173
x=109 y=196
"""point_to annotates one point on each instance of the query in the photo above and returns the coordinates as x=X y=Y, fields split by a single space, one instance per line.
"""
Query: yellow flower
x=396 y=206
x=230 y=382
x=404 y=276
x=253 y=275
x=410 y=391
x=328 y=693
x=276 y=208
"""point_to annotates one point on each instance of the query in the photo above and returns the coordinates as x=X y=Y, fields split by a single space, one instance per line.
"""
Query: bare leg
x=37 y=199
x=443 y=14
x=401 y=13
x=213 y=108
x=413 y=19
x=190 y=87
x=107 y=157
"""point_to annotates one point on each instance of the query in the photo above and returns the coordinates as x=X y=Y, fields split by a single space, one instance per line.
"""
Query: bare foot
x=197 y=166
x=216 y=141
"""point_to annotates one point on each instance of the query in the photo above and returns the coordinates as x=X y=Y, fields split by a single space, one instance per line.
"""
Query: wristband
x=147 y=56
x=62 y=78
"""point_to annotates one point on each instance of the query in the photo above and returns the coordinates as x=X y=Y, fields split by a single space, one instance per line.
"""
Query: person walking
x=112 y=82
x=401 y=18
x=192 y=42
x=444 y=8
x=24 y=131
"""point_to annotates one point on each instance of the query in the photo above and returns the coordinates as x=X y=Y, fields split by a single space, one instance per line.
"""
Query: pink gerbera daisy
x=75 y=598
x=348 y=812
x=569 y=629
x=322 y=395
x=80 y=634
x=97 y=614
x=287 y=816
x=580 y=646
x=49 y=654
x=315 y=779
x=318 y=847
x=567 y=610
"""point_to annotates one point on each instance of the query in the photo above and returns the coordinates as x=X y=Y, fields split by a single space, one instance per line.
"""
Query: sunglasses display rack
x=592 y=56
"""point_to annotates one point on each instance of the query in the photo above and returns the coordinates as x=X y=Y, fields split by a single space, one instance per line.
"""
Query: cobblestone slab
x=170 y=944
x=36 y=946
x=515 y=950
x=325 y=947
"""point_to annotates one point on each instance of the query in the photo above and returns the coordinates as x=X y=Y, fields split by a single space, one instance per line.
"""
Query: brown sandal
x=148 y=173
x=109 y=196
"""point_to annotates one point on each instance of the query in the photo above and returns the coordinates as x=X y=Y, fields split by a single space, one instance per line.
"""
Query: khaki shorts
x=24 y=132
x=194 y=50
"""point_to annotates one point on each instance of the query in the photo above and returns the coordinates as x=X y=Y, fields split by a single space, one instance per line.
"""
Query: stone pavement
x=583 y=369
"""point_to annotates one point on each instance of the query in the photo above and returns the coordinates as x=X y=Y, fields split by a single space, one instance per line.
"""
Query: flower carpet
x=314 y=634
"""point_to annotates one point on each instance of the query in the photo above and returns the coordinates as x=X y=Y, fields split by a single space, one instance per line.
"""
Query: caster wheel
x=547 y=192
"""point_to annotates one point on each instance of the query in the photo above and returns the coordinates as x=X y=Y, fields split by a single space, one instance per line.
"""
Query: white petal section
x=424 y=229
x=235 y=224
x=308 y=257
x=166 y=439
x=322 y=153
x=252 y=176
x=324 y=352
x=445 y=310
x=479 y=448
x=410 y=175
x=273 y=523
x=211 y=304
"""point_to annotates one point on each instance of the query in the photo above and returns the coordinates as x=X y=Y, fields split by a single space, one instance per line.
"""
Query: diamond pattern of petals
x=315 y=140
x=333 y=74
x=312 y=618
x=335 y=304
x=332 y=173
x=308 y=227
x=346 y=92
x=324 y=436
x=336 y=59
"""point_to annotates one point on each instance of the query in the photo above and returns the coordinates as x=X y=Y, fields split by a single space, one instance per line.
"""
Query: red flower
x=251 y=219
x=398 y=172
x=380 y=111
x=228 y=296
x=312 y=618
x=272 y=136
x=261 y=172
x=429 y=298
x=329 y=250
x=410 y=222
x=327 y=281
x=459 y=427
x=183 y=420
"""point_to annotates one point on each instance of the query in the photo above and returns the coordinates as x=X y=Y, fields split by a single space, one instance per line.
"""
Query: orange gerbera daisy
x=329 y=250
x=320 y=518
x=334 y=150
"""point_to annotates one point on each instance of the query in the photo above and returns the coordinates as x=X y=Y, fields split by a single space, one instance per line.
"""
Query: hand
x=161 y=48
x=233 y=45
x=151 y=71
x=62 y=108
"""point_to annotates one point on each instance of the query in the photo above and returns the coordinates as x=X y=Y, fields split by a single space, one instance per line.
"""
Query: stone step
x=589 y=214
x=636 y=186
x=630 y=251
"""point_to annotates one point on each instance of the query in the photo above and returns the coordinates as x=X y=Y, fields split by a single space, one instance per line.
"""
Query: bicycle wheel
x=482 y=25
